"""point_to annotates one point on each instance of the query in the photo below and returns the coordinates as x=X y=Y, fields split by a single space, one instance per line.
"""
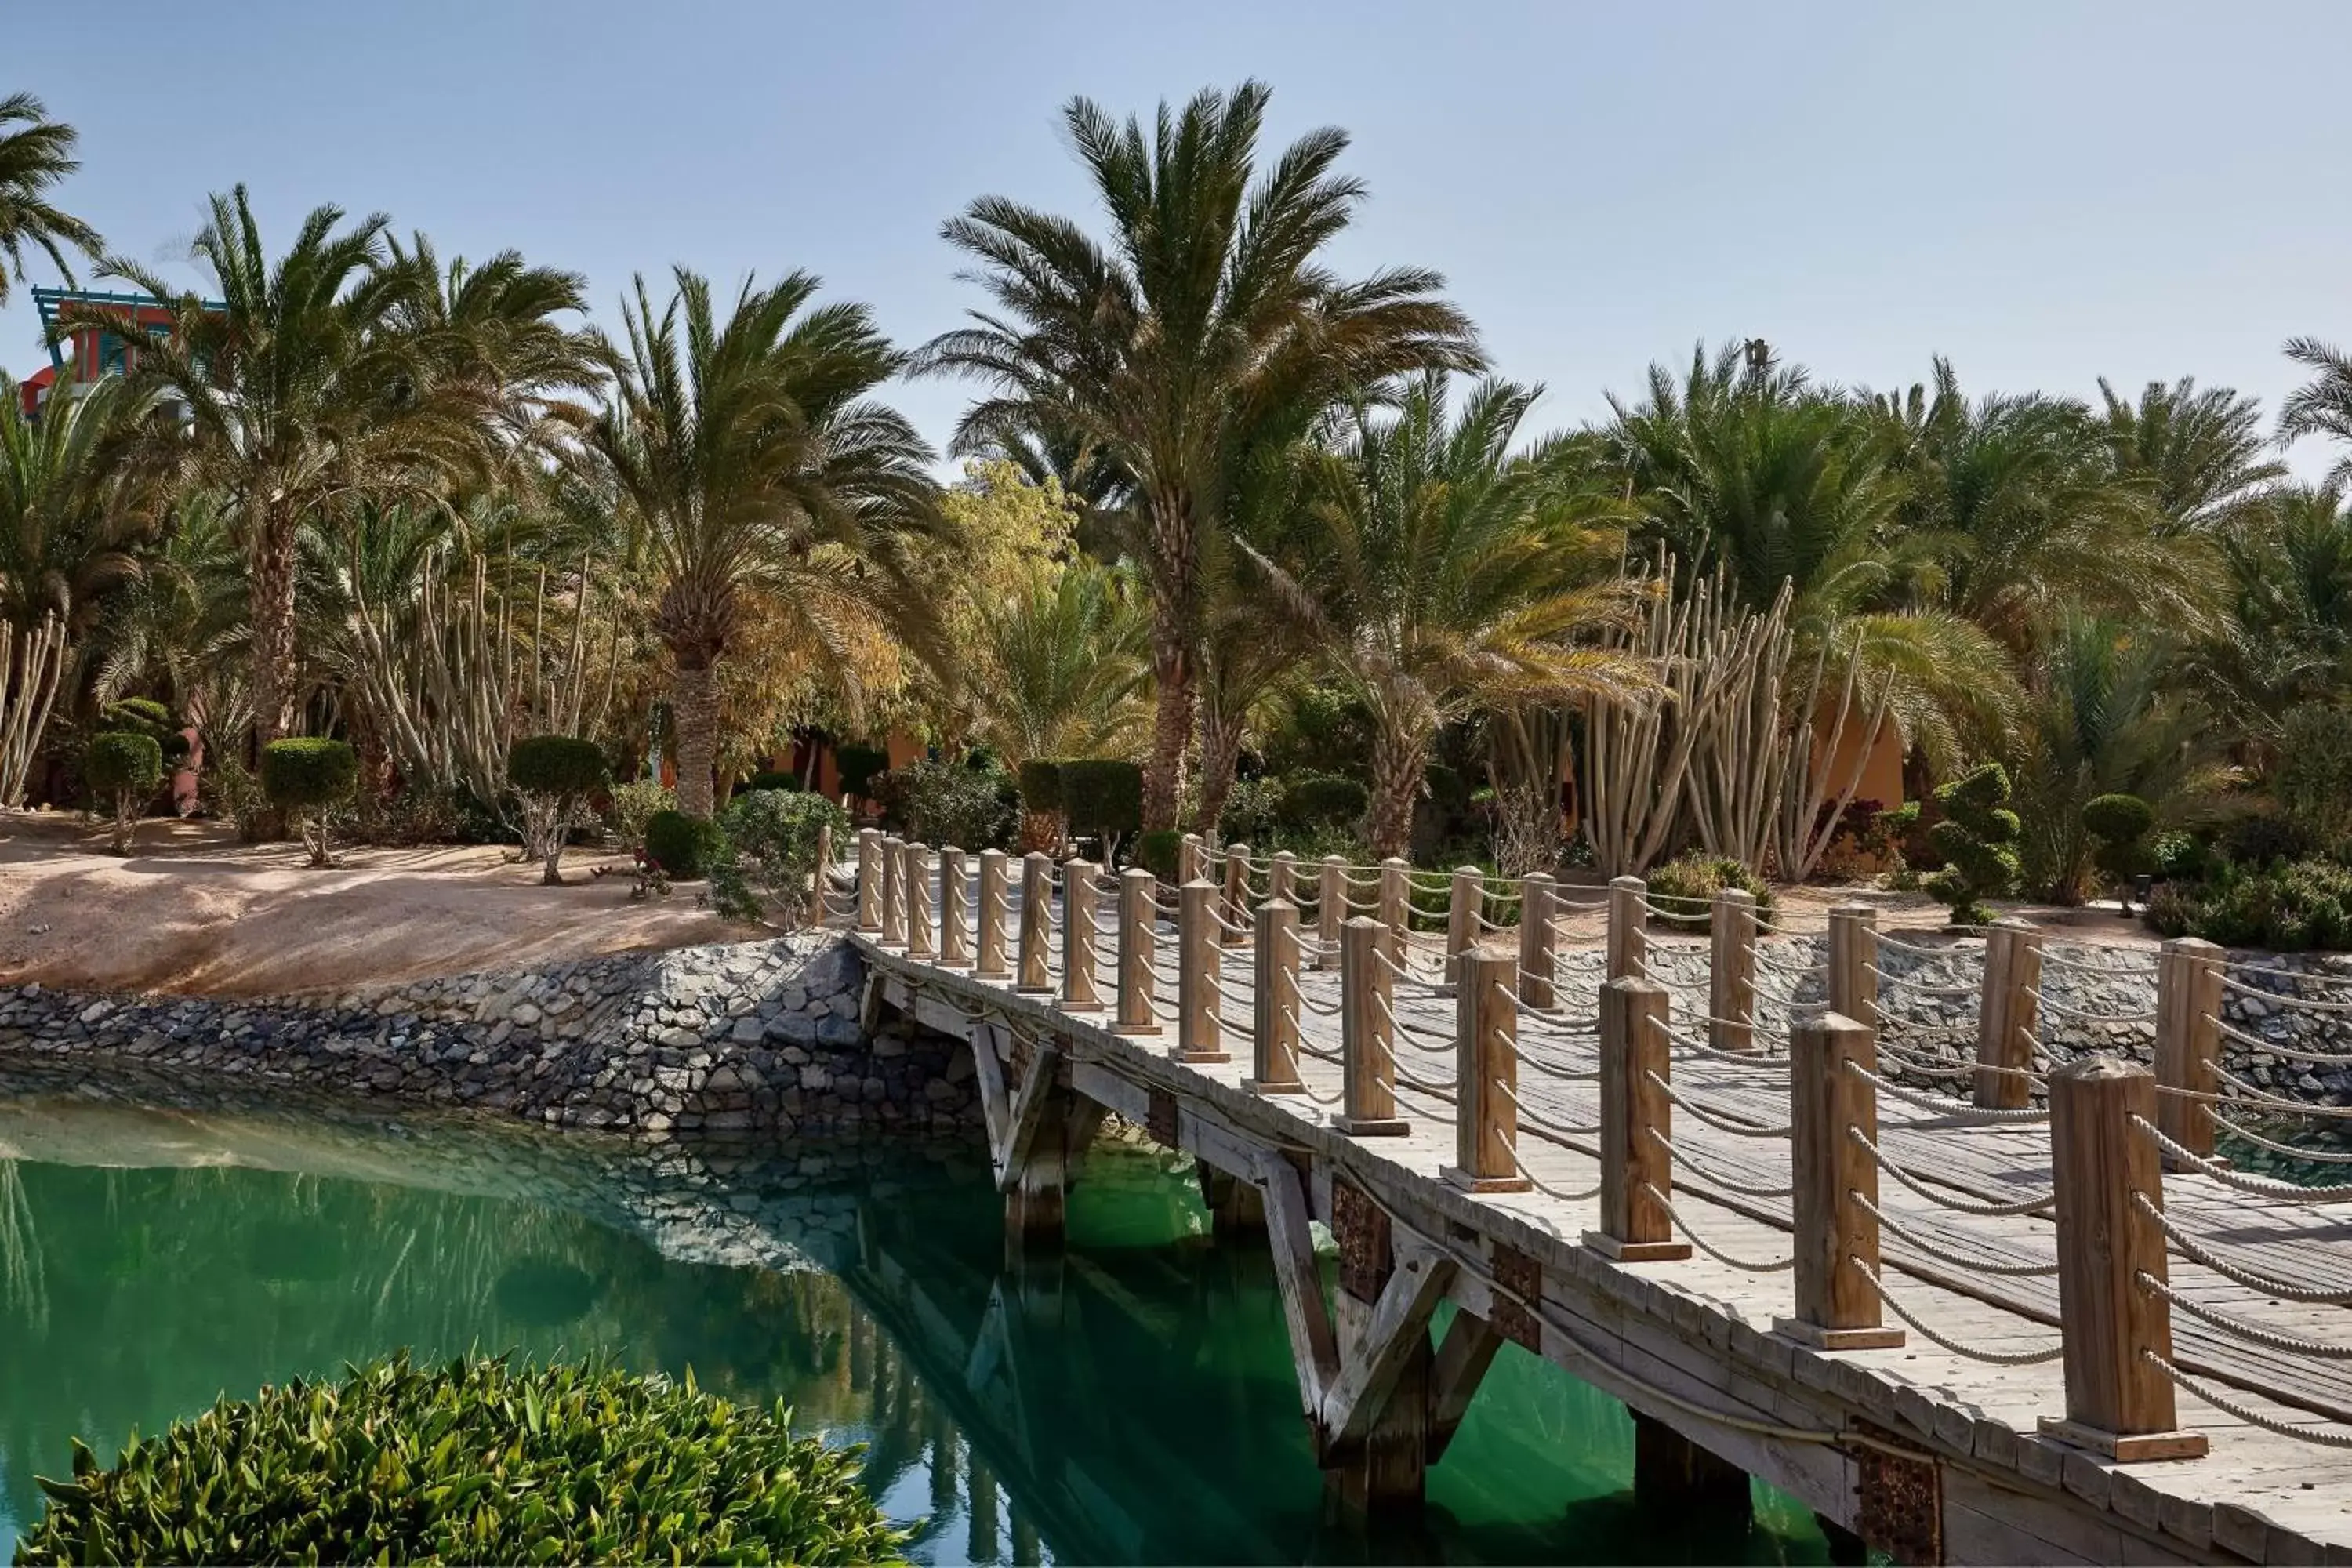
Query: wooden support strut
x=894 y=891
x=1333 y=904
x=994 y=886
x=2188 y=1041
x=1634 y=1227
x=1465 y=900
x=1199 y=1014
x=1837 y=1306
x=955 y=932
x=2119 y=1404
x=1138 y=920
x=870 y=880
x=817 y=913
x=1274 y=1001
x=1367 y=1072
x=1852 y=976
x=1731 y=971
x=1080 y=993
x=1486 y=1076
x=1036 y=922
x=916 y=884
x=2009 y=1015
x=1237 y=896
x=1629 y=928
x=1539 y=941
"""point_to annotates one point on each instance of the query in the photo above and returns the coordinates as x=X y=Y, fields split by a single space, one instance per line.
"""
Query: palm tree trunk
x=1221 y=756
x=270 y=602
x=694 y=710
x=1171 y=725
x=1398 y=761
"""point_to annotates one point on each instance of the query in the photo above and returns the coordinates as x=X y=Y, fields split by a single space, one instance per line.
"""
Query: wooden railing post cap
x=1634 y=985
x=1735 y=895
x=2195 y=946
x=2096 y=1068
x=1628 y=881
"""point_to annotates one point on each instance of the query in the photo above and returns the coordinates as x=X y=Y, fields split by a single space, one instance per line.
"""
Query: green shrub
x=2119 y=826
x=555 y=774
x=302 y=777
x=2262 y=838
x=2294 y=907
x=1041 y=786
x=1688 y=884
x=123 y=769
x=1978 y=840
x=475 y=1461
x=2180 y=857
x=943 y=802
x=859 y=766
x=2312 y=780
x=232 y=791
x=1156 y=852
x=145 y=716
x=1103 y=797
x=1322 y=800
x=768 y=850
x=683 y=846
x=1252 y=813
x=772 y=778
x=634 y=805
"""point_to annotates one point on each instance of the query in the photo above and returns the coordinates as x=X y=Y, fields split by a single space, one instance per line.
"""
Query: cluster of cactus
x=1978 y=840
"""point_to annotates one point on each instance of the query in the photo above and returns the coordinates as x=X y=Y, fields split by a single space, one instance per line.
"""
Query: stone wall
x=742 y=1037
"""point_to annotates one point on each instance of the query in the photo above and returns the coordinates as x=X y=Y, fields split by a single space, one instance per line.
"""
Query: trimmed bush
x=555 y=774
x=1688 y=884
x=1041 y=786
x=145 y=716
x=768 y=850
x=682 y=845
x=1978 y=840
x=859 y=766
x=474 y=1461
x=771 y=778
x=1105 y=798
x=302 y=777
x=1323 y=800
x=1156 y=852
x=123 y=769
x=946 y=803
x=2119 y=826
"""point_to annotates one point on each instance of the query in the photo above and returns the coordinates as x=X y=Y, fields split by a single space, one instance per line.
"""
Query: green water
x=1128 y=1401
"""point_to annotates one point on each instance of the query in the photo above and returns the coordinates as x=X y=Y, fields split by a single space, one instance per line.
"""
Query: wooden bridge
x=2043 y=1322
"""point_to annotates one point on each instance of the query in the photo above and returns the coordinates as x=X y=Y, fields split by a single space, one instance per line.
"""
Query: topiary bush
x=2297 y=906
x=771 y=778
x=858 y=767
x=1041 y=804
x=1322 y=800
x=1156 y=852
x=123 y=769
x=304 y=776
x=1103 y=798
x=145 y=716
x=1978 y=840
x=555 y=774
x=2119 y=826
x=944 y=802
x=769 y=850
x=474 y=1461
x=682 y=845
x=1688 y=884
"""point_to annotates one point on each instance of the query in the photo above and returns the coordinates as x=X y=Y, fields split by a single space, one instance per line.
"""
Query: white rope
x=2255 y=1095
x=2255 y=1333
x=1546 y=1187
x=2292 y=1053
x=1945 y=1109
x=1913 y=947
x=2317 y=1156
x=2222 y=1172
x=2110 y=972
x=1984 y=1207
x=2063 y=1011
x=1948 y=1254
x=2325 y=1437
x=1554 y=1069
x=1718 y=1121
x=1680 y=1223
x=1994 y=1358
x=1437 y=1090
x=1908 y=983
x=2196 y=1251
x=1686 y=1155
x=1539 y=1122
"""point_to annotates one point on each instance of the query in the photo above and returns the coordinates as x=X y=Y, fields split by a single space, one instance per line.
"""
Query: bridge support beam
x=1039 y=1129
x=1674 y=1476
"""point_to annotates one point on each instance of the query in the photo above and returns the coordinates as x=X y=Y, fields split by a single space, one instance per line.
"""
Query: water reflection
x=1127 y=1399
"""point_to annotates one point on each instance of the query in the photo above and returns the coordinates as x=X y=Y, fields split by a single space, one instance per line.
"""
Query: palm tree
x=755 y=463
x=1061 y=665
x=2287 y=638
x=2323 y=406
x=31 y=161
x=2202 y=455
x=1208 y=314
x=301 y=391
x=1435 y=573
x=497 y=337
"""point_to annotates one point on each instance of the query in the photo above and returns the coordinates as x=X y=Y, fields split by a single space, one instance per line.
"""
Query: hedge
x=1102 y=797
x=1041 y=786
x=770 y=778
x=683 y=846
x=307 y=772
x=859 y=766
x=474 y=1461
x=556 y=765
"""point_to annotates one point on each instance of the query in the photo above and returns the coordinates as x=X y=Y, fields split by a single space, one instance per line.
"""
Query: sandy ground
x=193 y=911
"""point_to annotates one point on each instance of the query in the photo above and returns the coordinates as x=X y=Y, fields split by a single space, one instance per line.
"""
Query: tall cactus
x=30 y=665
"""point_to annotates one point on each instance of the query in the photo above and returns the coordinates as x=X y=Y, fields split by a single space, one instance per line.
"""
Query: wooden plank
x=1399 y=1325
x=1314 y=1353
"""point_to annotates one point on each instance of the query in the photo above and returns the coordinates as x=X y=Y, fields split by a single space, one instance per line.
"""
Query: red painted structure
x=96 y=351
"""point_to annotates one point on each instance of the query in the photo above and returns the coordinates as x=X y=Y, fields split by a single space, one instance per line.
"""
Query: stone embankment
x=743 y=1037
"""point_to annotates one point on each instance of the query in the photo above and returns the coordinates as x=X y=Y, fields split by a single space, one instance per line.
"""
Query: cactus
x=30 y=664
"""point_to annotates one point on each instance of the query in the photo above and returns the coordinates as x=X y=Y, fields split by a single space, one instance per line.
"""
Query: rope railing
x=1721 y=1121
x=1734 y=1260
x=1945 y=1109
x=1537 y=1122
x=1957 y=1347
x=2221 y=1171
x=2326 y=1437
x=1949 y=1254
x=2195 y=1251
x=2255 y=1094
x=2239 y=1328
x=2248 y=1135
x=1689 y=1156
x=2257 y=1043
x=1984 y=1208
x=1906 y=983
x=2083 y=1015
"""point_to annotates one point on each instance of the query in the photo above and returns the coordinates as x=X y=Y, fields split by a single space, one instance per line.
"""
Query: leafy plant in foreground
x=1688 y=886
x=682 y=845
x=474 y=1461
x=768 y=849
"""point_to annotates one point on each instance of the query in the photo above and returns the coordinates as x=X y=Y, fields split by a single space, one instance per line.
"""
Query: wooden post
x=1367 y=988
x=817 y=913
x=995 y=885
x=955 y=914
x=1396 y=904
x=1635 y=1228
x=917 y=882
x=1465 y=900
x=1237 y=896
x=1838 y=1308
x=1629 y=928
x=1539 y=941
x=1282 y=877
x=1191 y=859
x=2008 y=1014
x=2118 y=1402
x=1078 y=902
x=894 y=891
x=1200 y=1036
x=1731 y=971
x=1333 y=904
x=1487 y=1074
x=1853 y=963
x=870 y=880
x=2188 y=1041
x=1036 y=922
x=1274 y=1001
x=1138 y=920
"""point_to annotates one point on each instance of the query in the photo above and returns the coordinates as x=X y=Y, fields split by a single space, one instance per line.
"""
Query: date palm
x=32 y=159
x=1435 y=574
x=756 y=463
x=2199 y=455
x=1207 y=311
x=1061 y=665
x=2323 y=405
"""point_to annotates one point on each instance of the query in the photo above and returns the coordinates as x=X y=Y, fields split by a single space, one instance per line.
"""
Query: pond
x=1129 y=1399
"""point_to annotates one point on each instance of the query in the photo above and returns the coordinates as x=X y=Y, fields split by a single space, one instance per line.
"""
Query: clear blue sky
x=2046 y=192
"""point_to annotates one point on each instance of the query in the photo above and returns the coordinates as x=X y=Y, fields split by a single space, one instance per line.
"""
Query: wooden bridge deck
x=1932 y=1452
